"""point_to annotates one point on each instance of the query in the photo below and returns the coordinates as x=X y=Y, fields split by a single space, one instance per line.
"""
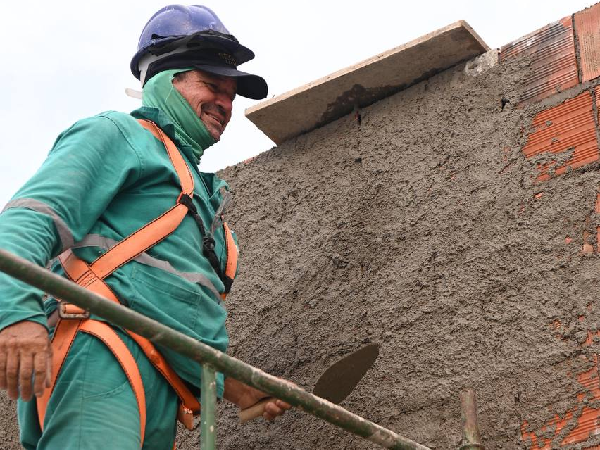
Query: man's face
x=210 y=96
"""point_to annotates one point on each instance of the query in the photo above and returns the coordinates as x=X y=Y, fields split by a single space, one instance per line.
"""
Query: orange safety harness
x=73 y=319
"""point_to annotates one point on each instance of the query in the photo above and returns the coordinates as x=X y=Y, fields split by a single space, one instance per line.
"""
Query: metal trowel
x=335 y=384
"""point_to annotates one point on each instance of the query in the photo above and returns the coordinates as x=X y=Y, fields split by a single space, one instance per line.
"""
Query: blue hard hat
x=179 y=36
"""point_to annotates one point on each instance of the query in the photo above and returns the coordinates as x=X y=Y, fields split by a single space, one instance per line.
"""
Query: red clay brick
x=587 y=249
x=566 y=127
x=587 y=28
x=553 y=67
x=586 y=427
x=587 y=423
x=585 y=418
x=597 y=95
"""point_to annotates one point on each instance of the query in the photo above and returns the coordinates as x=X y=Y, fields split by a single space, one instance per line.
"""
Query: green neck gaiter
x=160 y=93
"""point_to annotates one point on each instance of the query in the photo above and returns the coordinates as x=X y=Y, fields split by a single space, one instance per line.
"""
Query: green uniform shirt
x=104 y=178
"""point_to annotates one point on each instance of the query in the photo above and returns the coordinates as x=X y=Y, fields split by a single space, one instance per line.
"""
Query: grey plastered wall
x=422 y=230
x=9 y=432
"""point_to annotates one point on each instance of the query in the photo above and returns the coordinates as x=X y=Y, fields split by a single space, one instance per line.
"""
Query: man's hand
x=245 y=396
x=25 y=351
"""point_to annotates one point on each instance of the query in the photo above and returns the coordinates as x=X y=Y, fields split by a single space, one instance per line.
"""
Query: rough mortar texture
x=422 y=229
x=9 y=431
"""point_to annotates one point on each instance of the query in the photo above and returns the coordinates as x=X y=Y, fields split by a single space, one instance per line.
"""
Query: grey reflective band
x=66 y=237
x=95 y=240
x=218 y=218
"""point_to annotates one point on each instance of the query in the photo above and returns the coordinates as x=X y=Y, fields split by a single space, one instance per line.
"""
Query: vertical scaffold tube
x=471 y=439
x=208 y=417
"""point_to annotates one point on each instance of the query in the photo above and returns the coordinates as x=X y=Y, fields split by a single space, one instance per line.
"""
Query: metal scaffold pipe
x=160 y=334
x=471 y=439
x=208 y=430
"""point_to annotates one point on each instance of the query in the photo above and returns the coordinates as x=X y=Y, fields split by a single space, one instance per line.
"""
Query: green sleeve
x=88 y=164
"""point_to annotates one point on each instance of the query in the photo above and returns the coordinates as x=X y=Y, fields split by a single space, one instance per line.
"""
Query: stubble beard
x=214 y=129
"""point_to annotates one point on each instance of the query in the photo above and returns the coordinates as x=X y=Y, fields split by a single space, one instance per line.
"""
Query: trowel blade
x=341 y=378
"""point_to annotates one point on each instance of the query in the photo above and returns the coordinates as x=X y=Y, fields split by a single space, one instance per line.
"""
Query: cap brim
x=248 y=85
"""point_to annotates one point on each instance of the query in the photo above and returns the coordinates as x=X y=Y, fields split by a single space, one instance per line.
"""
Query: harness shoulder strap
x=155 y=231
x=183 y=172
x=232 y=259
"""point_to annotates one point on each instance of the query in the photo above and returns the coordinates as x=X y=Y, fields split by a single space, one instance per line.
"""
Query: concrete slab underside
x=324 y=100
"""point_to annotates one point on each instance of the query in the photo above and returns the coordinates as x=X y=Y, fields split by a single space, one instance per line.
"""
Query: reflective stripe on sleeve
x=218 y=218
x=66 y=237
x=95 y=240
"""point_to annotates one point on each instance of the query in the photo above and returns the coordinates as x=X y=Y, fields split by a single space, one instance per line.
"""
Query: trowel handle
x=255 y=410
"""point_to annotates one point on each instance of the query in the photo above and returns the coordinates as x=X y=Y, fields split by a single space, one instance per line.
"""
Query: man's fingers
x=25 y=375
x=275 y=408
x=12 y=373
x=283 y=405
x=49 y=368
x=24 y=352
x=40 y=369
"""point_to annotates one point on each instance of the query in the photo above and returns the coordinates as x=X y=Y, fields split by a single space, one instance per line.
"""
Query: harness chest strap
x=155 y=231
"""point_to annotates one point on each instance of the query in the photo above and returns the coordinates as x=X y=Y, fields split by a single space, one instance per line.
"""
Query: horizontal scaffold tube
x=160 y=334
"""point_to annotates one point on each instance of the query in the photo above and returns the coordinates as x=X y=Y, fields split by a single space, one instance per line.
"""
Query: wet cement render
x=420 y=230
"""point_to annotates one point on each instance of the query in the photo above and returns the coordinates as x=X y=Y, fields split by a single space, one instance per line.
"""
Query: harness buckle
x=208 y=245
x=186 y=200
x=69 y=311
x=186 y=417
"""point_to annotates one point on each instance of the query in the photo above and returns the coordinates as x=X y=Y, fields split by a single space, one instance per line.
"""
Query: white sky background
x=64 y=60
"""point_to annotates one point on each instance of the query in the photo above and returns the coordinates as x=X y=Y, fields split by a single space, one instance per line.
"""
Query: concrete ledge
x=325 y=100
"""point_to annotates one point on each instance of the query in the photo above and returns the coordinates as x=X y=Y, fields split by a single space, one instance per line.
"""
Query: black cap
x=214 y=61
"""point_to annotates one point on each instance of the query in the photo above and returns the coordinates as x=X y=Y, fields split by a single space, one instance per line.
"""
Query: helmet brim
x=199 y=40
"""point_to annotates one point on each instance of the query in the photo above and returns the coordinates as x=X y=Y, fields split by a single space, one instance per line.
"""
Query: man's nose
x=225 y=103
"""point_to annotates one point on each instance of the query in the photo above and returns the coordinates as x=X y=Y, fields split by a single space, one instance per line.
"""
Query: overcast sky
x=65 y=60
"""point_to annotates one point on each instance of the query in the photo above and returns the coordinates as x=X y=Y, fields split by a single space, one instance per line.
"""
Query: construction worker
x=120 y=207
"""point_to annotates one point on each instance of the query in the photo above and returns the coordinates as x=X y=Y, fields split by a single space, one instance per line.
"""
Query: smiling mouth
x=220 y=122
